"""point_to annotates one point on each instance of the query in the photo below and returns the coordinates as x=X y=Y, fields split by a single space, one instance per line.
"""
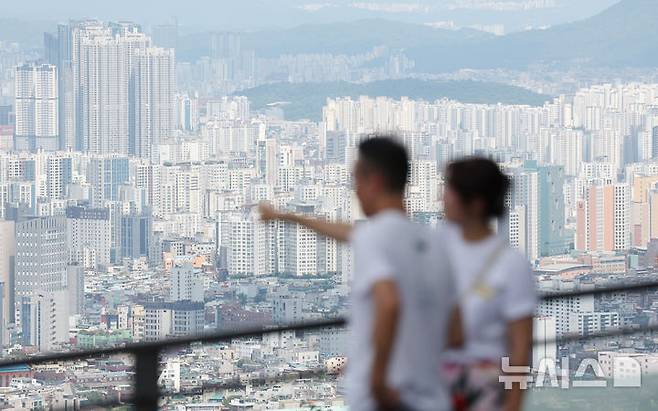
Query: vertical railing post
x=146 y=379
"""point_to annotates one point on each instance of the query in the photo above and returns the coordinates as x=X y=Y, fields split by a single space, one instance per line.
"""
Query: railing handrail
x=269 y=329
x=612 y=332
x=175 y=342
x=649 y=285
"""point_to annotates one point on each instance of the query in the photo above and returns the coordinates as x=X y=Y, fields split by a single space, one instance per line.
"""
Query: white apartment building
x=37 y=105
x=103 y=118
x=44 y=319
x=89 y=233
x=525 y=193
x=585 y=323
x=562 y=309
x=544 y=335
x=172 y=319
x=186 y=284
x=154 y=79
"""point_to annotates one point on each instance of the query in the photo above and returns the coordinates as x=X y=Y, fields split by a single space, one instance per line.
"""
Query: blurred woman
x=496 y=290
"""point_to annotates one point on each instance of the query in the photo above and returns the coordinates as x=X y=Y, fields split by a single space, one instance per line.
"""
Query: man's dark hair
x=388 y=157
x=479 y=178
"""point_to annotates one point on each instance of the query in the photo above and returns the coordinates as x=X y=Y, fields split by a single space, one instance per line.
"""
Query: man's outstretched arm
x=338 y=231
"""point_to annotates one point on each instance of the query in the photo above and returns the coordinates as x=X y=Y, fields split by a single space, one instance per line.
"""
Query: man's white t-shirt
x=390 y=247
x=512 y=294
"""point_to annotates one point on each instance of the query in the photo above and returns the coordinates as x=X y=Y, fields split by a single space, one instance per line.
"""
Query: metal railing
x=147 y=393
x=640 y=286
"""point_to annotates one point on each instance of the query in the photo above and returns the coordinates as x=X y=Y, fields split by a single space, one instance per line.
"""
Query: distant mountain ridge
x=621 y=36
x=357 y=37
x=349 y=38
x=305 y=100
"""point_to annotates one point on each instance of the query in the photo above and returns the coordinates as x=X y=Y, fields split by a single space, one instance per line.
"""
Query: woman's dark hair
x=479 y=178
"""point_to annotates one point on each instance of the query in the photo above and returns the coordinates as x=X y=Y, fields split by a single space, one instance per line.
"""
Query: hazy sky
x=254 y=14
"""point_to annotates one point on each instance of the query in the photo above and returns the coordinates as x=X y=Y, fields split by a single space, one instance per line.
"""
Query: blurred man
x=402 y=290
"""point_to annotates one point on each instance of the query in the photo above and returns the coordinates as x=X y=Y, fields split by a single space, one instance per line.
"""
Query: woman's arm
x=337 y=231
x=455 y=329
x=519 y=342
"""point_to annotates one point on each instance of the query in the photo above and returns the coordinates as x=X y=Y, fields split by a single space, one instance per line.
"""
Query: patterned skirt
x=474 y=387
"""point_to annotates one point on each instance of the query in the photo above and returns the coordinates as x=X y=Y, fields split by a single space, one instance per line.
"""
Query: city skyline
x=133 y=155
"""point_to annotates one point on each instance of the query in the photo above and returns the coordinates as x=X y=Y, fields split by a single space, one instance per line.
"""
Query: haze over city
x=137 y=139
x=199 y=15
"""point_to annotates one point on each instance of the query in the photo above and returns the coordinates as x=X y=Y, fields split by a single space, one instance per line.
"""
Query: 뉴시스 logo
x=623 y=371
